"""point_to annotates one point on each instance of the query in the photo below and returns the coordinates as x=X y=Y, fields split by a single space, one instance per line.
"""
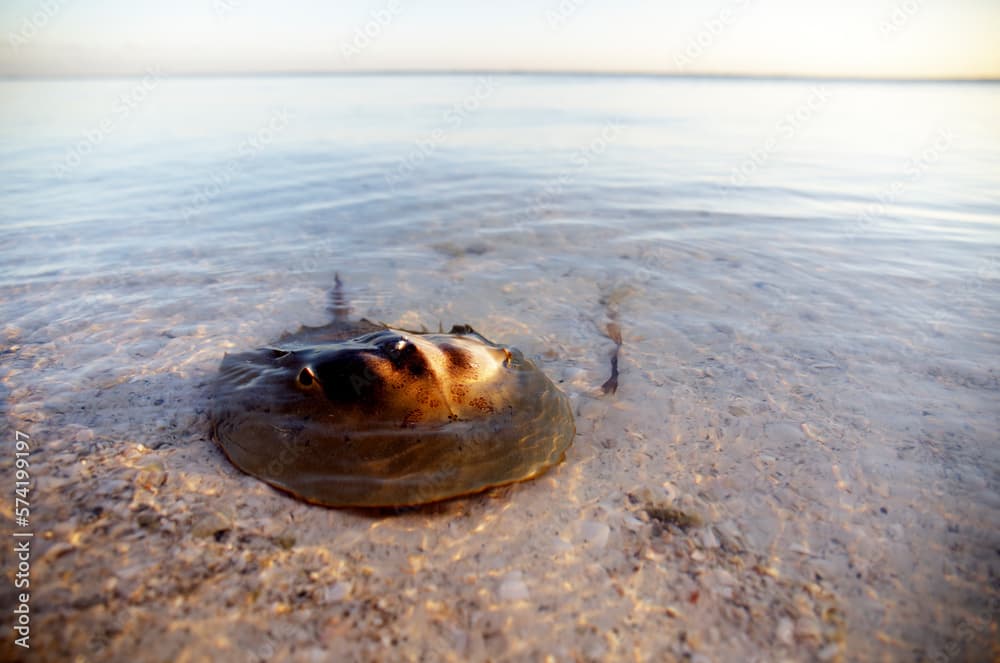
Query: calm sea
x=806 y=273
x=111 y=176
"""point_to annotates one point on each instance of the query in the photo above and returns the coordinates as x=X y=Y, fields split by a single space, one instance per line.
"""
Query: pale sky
x=877 y=38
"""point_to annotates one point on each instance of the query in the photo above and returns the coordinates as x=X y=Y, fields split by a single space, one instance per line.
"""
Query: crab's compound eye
x=393 y=344
x=404 y=355
x=306 y=377
x=395 y=348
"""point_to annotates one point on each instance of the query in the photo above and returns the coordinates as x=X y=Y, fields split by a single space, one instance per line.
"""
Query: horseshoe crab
x=355 y=413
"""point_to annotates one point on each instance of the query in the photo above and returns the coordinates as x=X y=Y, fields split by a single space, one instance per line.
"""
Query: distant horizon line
x=291 y=73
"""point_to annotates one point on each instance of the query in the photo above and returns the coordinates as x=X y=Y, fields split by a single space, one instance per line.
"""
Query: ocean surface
x=806 y=275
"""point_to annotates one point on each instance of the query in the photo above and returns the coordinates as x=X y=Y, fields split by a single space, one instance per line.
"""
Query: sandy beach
x=800 y=462
x=731 y=497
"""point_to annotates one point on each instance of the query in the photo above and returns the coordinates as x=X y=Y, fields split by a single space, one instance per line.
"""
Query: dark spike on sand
x=615 y=334
x=338 y=308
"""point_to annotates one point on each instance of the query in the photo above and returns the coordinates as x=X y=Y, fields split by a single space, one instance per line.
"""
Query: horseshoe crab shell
x=390 y=417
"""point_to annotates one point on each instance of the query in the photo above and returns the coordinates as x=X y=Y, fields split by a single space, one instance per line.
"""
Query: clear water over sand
x=806 y=276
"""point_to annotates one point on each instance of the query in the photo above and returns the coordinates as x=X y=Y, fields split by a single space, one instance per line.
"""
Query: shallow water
x=807 y=276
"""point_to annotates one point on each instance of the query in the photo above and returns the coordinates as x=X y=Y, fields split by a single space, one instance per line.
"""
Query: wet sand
x=786 y=471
